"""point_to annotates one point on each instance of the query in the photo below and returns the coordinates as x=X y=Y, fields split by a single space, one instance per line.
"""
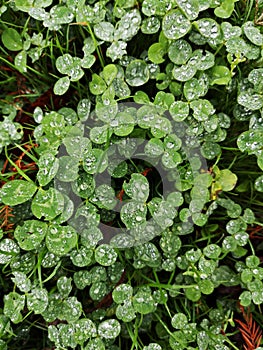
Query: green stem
x=53 y=273
x=20 y=172
x=164 y=325
x=251 y=247
x=96 y=45
x=27 y=153
x=230 y=343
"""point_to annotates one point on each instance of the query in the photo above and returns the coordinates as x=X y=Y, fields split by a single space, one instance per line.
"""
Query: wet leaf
x=225 y=9
x=104 y=31
x=212 y=251
x=143 y=302
x=179 y=321
x=12 y=39
x=47 y=204
x=230 y=31
x=105 y=255
x=37 y=300
x=253 y=33
x=189 y=8
x=125 y=311
x=154 y=147
x=128 y=26
x=64 y=286
x=184 y=72
x=179 y=110
x=61 y=86
x=171 y=159
x=137 y=188
x=21 y=281
x=137 y=73
x=81 y=257
x=95 y=161
x=84 y=185
x=104 y=197
x=208 y=27
x=30 y=234
x=84 y=329
x=133 y=213
x=227 y=180
x=122 y=293
x=256 y=78
x=250 y=141
x=123 y=124
x=150 y=25
x=17 y=191
x=245 y=298
x=109 y=329
x=250 y=101
x=206 y=286
x=97 y=85
x=175 y=25
x=21 y=61
x=202 y=109
x=68 y=169
x=47 y=168
x=179 y=51
x=116 y=50
x=161 y=128
x=83 y=109
x=61 y=239
x=13 y=305
x=195 y=88
x=109 y=73
x=71 y=309
x=220 y=75
x=156 y=52
x=71 y=66
x=193 y=293
x=157 y=7
x=239 y=47
x=259 y=184
x=205 y=59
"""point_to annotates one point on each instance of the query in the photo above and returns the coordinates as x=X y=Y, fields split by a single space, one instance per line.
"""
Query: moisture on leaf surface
x=109 y=329
x=8 y=250
x=105 y=255
x=175 y=25
x=17 y=191
x=61 y=239
x=47 y=204
x=137 y=188
x=30 y=234
x=137 y=73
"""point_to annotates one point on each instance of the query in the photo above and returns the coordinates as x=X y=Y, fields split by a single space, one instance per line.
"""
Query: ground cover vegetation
x=131 y=156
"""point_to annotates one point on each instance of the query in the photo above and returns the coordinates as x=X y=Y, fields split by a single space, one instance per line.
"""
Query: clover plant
x=131 y=148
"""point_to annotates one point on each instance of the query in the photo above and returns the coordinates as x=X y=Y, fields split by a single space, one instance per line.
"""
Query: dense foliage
x=131 y=148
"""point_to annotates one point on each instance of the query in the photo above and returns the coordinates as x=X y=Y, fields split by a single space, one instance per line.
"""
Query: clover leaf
x=61 y=239
x=47 y=204
x=225 y=9
x=17 y=191
x=143 y=302
x=12 y=39
x=137 y=188
x=175 y=25
x=122 y=293
x=137 y=73
x=13 y=305
x=37 y=300
x=109 y=329
x=30 y=234
x=21 y=281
